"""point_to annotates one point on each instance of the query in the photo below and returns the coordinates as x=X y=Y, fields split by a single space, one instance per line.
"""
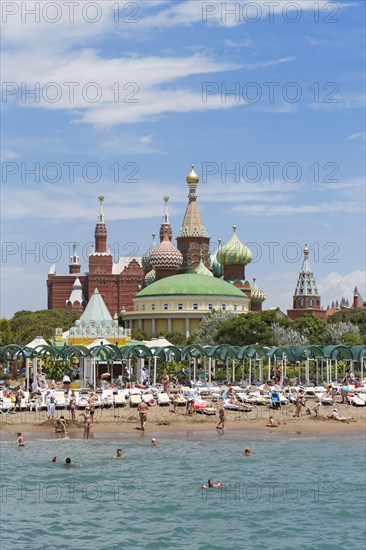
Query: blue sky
x=270 y=112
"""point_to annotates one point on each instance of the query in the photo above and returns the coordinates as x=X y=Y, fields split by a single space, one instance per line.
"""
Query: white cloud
x=335 y=286
x=232 y=44
x=296 y=210
x=8 y=154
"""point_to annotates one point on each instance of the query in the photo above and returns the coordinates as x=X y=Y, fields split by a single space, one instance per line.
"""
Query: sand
x=163 y=423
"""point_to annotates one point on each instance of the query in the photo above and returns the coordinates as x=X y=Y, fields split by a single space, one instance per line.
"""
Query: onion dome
x=257 y=296
x=201 y=269
x=234 y=252
x=192 y=177
x=145 y=258
x=216 y=268
x=150 y=277
x=165 y=255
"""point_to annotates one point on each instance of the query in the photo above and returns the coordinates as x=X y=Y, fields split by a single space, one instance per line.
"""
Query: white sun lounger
x=147 y=397
x=61 y=399
x=6 y=405
x=357 y=401
x=120 y=399
x=231 y=407
x=163 y=399
x=135 y=400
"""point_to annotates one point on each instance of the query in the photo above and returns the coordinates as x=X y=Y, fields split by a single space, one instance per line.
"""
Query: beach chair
x=61 y=399
x=356 y=401
x=6 y=405
x=135 y=399
x=163 y=399
x=107 y=398
x=275 y=400
x=120 y=399
x=148 y=398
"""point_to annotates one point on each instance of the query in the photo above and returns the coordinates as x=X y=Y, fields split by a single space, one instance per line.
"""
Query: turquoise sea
x=295 y=492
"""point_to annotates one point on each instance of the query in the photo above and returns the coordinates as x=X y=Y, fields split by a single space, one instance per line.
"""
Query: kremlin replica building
x=173 y=287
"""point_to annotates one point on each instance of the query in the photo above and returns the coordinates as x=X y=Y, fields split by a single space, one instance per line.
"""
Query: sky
x=118 y=99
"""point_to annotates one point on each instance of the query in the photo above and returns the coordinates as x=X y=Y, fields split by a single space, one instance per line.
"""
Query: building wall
x=296 y=313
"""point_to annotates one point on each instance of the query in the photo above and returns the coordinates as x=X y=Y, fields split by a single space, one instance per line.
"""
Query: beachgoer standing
x=51 y=408
x=191 y=397
x=300 y=402
x=142 y=409
x=72 y=406
x=88 y=422
x=221 y=424
x=165 y=381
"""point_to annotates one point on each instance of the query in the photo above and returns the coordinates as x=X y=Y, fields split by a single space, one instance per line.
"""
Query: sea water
x=294 y=492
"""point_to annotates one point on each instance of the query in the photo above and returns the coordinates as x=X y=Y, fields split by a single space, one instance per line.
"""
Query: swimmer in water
x=69 y=463
x=154 y=443
x=248 y=452
x=20 y=440
x=119 y=453
x=55 y=459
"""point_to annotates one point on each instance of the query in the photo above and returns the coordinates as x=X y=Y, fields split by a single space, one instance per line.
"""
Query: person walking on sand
x=88 y=422
x=142 y=409
x=221 y=424
x=20 y=440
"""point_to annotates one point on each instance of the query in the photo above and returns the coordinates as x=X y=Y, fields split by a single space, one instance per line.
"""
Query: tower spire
x=165 y=228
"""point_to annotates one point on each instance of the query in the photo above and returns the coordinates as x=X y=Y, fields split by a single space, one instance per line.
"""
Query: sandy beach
x=162 y=422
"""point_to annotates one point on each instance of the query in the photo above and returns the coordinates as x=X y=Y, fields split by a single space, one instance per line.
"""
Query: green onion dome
x=234 y=252
x=216 y=268
x=150 y=277
x=165 y=255
x=146 y=257
x=201 y=269
x=257 y=296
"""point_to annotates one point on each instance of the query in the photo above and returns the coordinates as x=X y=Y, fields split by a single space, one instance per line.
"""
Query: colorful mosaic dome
x=165 y=256
x=234 y=252
x=257 y=296
x=150 y=277
x=146 y=257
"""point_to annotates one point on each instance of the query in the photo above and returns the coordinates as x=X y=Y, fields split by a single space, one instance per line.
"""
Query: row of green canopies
x=328 y=358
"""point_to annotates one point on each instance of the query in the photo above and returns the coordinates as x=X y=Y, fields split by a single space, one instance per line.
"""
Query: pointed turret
x=165 y=228
x=74 y=265
x=76 y=300
x=101 y=260
x=193 y=237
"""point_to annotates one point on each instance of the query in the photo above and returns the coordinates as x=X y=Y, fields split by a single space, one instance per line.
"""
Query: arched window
x=210 y=307
x=143 y=307
x=195 y=306
x=235 y=307
x=180 y=306
x=301 y=301
x=153 y=307
x=165 y=307
x=310 y=301
x=223 y=307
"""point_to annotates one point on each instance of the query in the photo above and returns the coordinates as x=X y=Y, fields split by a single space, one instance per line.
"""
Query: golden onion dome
x=192 y=177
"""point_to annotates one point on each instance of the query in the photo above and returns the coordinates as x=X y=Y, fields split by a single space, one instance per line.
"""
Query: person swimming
x=248 y=452
x=154 y=443
x=55 y=459
x=211 y=484
x=20 y=440
x=119 y=453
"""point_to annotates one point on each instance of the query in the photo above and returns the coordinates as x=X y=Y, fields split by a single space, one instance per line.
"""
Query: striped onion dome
x=216 y=268
x=165 y=255
x=150 y=277
x=234 y=252
x=201 y=269
x=256 y=295
x=146 y=257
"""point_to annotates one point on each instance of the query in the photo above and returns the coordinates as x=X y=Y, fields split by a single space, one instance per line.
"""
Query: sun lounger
x=120 y=399
x=135 y=399
x=207 y=410
x=6 y=405
x=232 y=407
x=148 y=398
x=356 y=401
x=60 y=399
x=163 y=399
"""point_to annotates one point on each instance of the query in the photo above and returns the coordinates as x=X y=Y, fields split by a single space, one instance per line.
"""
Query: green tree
x=176 y=338
x=311 y=327
x=5 y=332
x=245 y=330
x=209 y=325
x=26 y=325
